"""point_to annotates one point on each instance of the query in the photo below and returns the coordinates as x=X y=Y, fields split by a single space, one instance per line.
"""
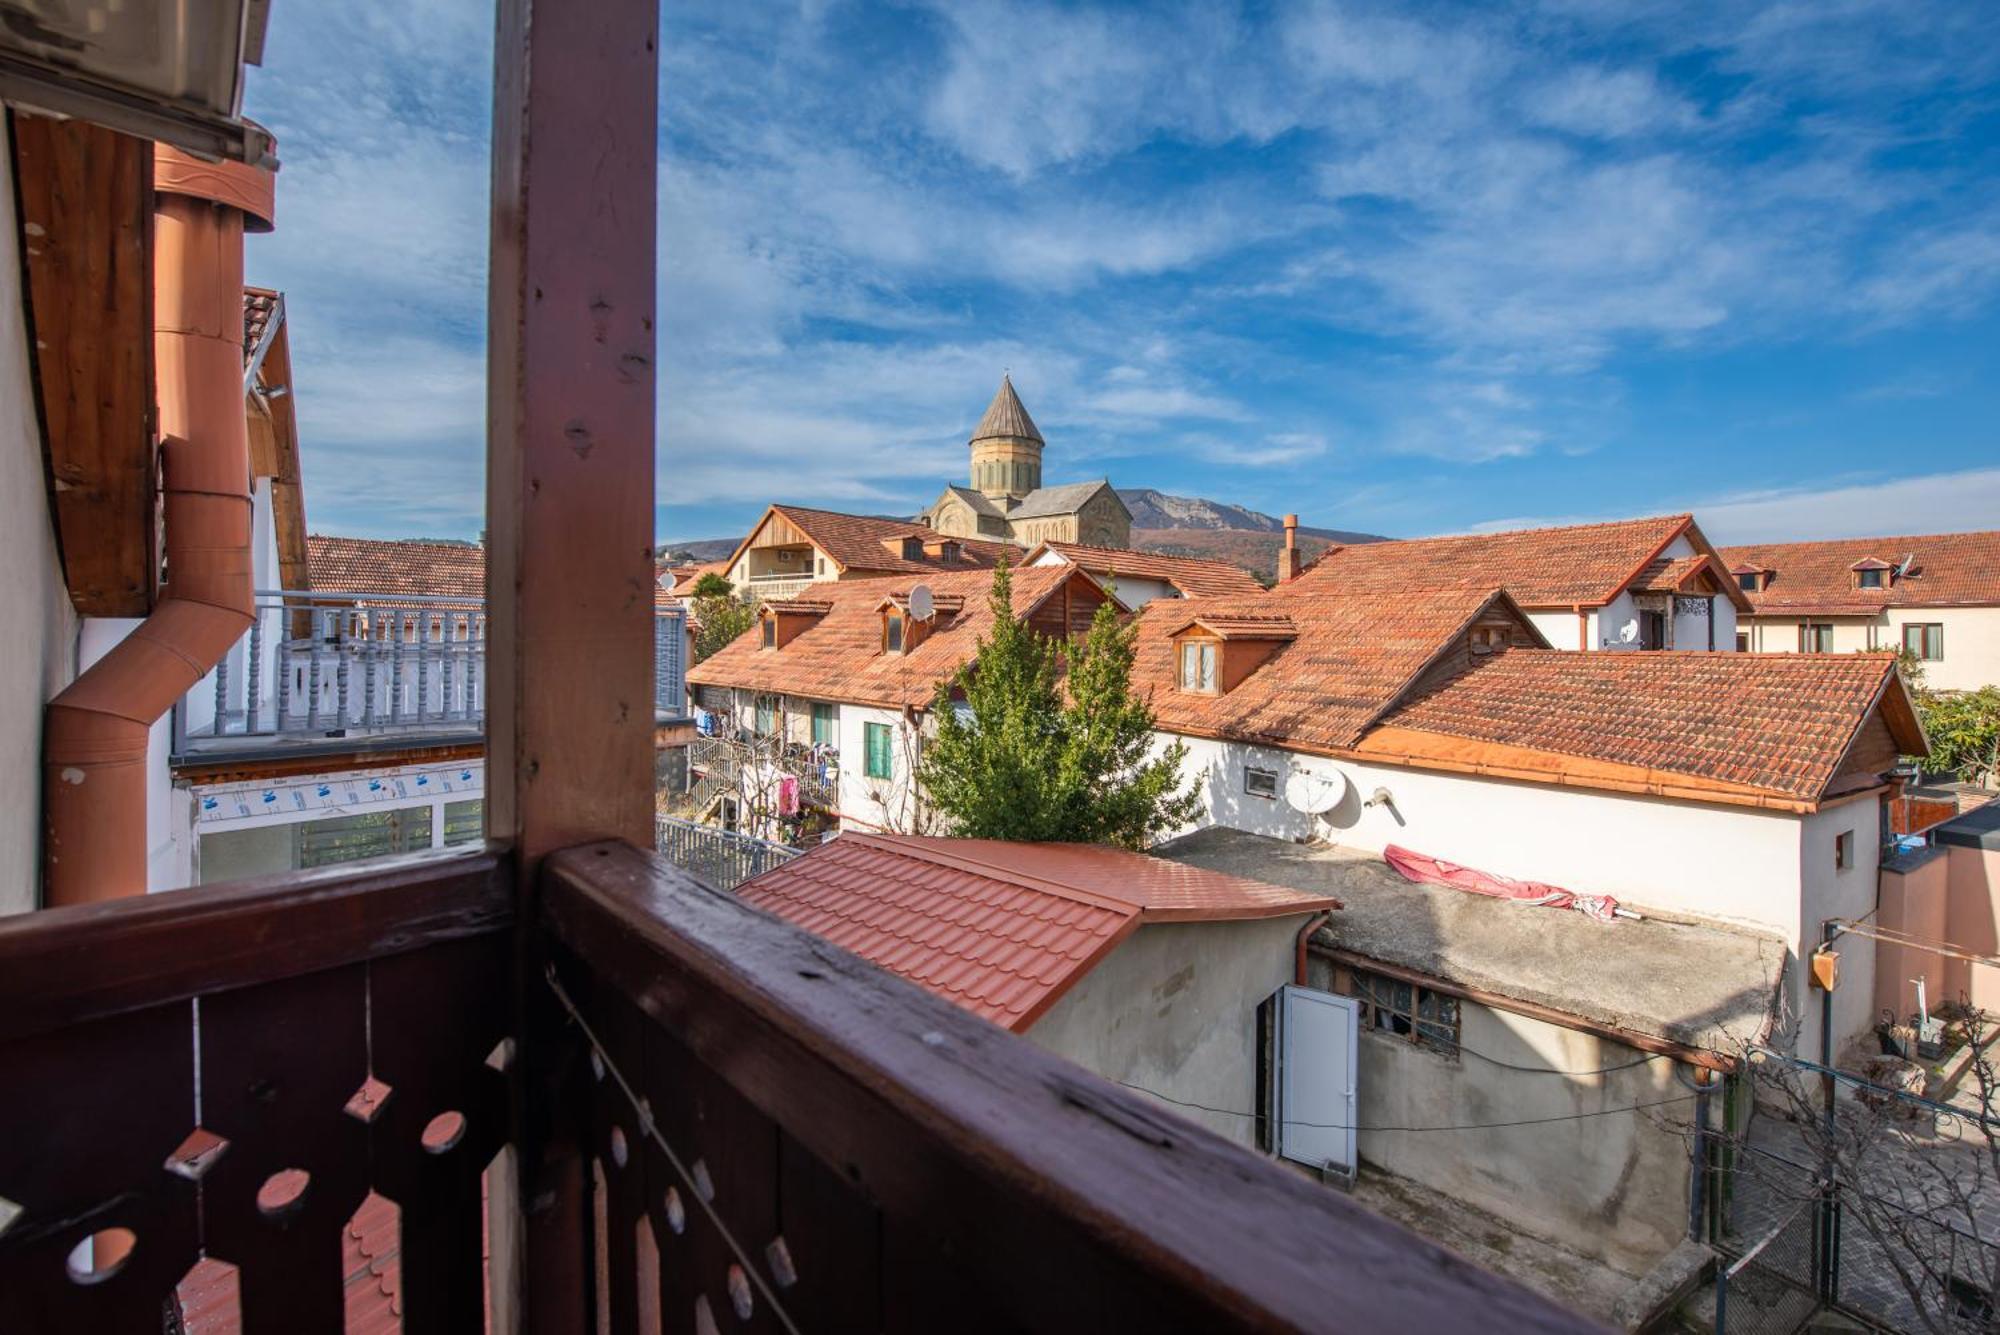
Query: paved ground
x=1777 y=1177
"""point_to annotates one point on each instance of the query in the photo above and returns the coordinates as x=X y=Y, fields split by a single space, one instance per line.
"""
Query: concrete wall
x=1972 y=922
x=38 y=649
x=1914 y=897
x=1613 y=1187
x=877 y=804
x=1173 y=1010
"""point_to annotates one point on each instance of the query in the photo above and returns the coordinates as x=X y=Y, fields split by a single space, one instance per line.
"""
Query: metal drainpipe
x=97 y=729
x=1313 y=924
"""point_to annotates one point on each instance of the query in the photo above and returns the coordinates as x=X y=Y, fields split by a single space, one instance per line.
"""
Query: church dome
x=1006 y=418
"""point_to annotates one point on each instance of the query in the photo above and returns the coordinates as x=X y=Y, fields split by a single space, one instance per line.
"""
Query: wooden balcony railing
x=780 y=1136
x=229 y=1072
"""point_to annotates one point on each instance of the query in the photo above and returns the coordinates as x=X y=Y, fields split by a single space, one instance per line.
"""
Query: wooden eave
x=86 y=203
x=270 y=406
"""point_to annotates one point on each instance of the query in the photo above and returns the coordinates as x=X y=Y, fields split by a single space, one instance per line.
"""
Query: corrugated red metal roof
x=1000 y=929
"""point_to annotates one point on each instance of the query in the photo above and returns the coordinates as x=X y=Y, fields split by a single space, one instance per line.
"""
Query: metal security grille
x=721 y=857
x=1769 y=1287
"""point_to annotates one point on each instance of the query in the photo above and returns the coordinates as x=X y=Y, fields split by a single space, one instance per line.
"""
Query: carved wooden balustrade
x=781 y=1137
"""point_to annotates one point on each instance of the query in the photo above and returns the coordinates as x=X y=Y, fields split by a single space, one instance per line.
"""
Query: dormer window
x=1871 y=573
x=770 y=632
x=1198 y=665
x=913 y=549
x=1748 y=583
x=949 y=552
x=892 y=632
x=1871 y=579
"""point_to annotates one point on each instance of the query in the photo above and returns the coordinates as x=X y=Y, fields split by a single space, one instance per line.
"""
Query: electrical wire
x=1465 y=1126
x=1419 y=1023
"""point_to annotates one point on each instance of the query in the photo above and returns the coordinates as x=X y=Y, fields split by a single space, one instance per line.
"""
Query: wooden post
x=569 y=502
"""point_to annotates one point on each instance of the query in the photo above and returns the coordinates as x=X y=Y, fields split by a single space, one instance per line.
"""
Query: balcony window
x=1924 y=640
x=881 y=761
x=826 y=725
x=1815 y=638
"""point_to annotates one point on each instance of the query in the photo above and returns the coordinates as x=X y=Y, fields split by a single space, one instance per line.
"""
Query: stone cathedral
x=1007 y=500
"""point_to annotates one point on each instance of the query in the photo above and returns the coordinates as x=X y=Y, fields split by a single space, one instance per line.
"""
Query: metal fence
x=721 y=857
x=1798 y=1253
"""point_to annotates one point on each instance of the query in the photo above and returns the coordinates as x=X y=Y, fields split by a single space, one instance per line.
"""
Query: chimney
x=1288 y=559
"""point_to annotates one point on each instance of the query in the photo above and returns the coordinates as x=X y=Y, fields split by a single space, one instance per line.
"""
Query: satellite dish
x=922 y=605
x=1315 y=793
x=1629 y=631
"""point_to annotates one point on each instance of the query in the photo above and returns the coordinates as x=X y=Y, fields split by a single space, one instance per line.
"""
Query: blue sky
x=1401 y=268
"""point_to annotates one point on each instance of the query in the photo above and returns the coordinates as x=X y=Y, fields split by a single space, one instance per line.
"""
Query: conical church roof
x=1005 y=416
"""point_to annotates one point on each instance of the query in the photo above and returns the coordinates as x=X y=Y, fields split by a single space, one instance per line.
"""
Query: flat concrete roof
x=1699 y=985
x=1977 y=828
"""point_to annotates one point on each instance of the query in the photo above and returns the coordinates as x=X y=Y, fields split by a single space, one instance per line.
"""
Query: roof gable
x=865 y=543
x=1067 y=499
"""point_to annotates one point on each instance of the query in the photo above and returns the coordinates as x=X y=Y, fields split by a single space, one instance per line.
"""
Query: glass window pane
x=464 y=822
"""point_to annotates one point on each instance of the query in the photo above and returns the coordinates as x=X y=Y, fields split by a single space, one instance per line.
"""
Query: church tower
x=1006 y=449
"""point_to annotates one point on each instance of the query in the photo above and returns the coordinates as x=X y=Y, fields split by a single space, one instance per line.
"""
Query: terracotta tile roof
x=840 y=657
x=1244 y=627
x=1353 y=655
x=1949 y=570
x=258 y=303
x=1581 y=565
x=414 y=567
x=682 y=579
x=999 y=929
x=1193 y=576
x=856 y=542
x=1779 y=723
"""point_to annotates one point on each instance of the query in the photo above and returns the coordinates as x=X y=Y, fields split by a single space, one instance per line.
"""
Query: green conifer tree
x=1040 y=754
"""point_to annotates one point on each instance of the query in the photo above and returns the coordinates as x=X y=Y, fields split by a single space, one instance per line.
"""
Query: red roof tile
x=1779 y=723
x=1193 y=576
x=839 y=657
x=1000 y=929
x=1948 y=570
x=1354 y=653
x=1581 y=565
x=413 y=567
x=370 y=1246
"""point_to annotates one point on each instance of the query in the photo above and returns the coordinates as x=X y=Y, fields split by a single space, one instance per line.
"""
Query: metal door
x=1317 y=1034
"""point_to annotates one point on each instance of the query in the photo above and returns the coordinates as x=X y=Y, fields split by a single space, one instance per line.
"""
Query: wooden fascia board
x=1699 y=541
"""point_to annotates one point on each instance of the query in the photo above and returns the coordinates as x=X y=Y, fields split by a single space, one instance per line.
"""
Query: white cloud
x=1927 y=503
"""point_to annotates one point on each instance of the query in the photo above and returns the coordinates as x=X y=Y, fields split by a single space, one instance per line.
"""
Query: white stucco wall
x=1173 y=1011
x=1733 y=864
x=1971 y=640
x=1132 y=591
x=1603 y=627
x=877 y=804
x=1767 y=871
x=38 y=650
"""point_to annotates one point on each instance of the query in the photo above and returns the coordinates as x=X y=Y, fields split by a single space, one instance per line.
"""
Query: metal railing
x=723 y=858
x=350 y=664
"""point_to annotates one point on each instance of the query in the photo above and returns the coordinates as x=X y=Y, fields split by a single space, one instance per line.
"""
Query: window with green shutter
x=881 y=765
x=826 y=725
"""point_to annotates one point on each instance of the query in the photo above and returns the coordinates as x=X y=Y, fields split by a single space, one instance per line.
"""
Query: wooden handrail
x=1002 y=1173
x=64 y=966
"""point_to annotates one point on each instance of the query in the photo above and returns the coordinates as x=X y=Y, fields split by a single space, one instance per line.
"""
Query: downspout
x=1313 y=924
x=94 y=744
